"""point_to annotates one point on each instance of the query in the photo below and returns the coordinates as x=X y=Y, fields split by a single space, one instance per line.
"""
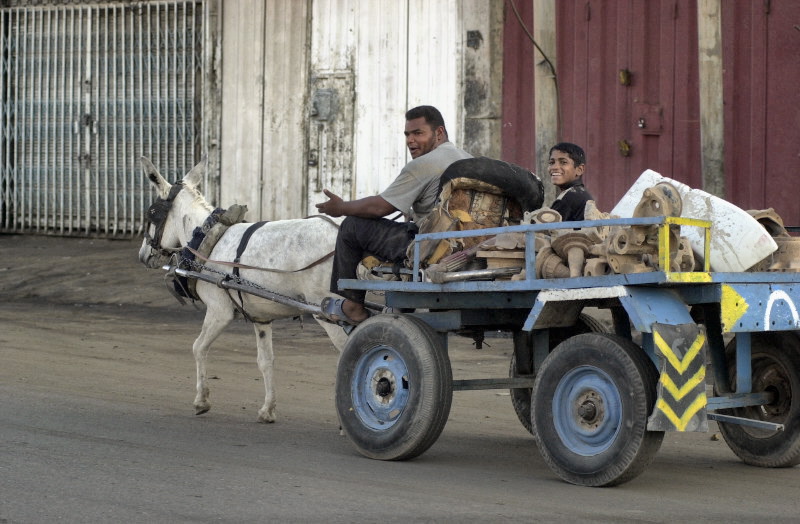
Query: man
x=365 y=231
x=566 y=167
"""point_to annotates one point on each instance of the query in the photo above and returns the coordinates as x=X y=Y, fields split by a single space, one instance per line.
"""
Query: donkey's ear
x=195 y=177
x=155 y=177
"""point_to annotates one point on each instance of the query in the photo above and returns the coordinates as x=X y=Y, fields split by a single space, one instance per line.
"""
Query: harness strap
x=239 y=252
x=243 y=243
x=326 y=218
x=157 y=215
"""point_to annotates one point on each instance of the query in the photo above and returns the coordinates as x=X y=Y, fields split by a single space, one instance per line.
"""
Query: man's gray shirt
x=416 y=188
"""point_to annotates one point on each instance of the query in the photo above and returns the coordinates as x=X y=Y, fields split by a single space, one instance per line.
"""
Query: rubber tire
x=619 y=448
x=418 y=411
x=776 y=367
x=521 y=397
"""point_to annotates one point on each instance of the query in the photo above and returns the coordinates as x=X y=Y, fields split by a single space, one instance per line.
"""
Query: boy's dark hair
x=573 y=151
x=431 y=115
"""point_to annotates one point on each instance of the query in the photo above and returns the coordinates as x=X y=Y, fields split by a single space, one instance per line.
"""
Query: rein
x=273 y=270
x=270 y=269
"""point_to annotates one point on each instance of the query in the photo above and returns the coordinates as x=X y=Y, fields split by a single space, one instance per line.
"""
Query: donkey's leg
x=266 y=360
x=335 y=333
x=216 y=320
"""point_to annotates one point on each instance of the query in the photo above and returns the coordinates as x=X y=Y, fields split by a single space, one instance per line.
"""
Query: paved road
x=96 y=425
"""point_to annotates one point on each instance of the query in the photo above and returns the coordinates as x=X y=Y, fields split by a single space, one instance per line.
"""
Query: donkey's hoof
x=266 y=416
x=199 y=410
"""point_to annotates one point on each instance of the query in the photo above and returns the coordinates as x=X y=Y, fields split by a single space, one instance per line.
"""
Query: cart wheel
x=776 y=368
x=394 y=387
x=521 y=397
x=591 y=401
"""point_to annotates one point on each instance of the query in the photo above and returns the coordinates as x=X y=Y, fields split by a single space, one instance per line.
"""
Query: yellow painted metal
x=733 y=306
x=663 y=247
x=686 y=221
x=694 y=277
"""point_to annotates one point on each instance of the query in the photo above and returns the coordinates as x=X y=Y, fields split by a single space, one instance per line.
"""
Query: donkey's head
x=178 y=209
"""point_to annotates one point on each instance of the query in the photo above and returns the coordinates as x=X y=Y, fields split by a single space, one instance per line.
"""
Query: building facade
x=290 y=97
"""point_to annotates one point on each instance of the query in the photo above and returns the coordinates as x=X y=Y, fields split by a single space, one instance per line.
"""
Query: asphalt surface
x=97 y=424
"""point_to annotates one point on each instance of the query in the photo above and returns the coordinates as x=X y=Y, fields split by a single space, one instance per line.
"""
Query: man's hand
x=332 y=207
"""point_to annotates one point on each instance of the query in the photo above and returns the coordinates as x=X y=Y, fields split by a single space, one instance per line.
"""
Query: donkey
x=295 y=248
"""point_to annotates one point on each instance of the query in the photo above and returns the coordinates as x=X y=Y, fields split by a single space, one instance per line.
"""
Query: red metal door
x=518 y=93
x=628 y=83
x=761 y=80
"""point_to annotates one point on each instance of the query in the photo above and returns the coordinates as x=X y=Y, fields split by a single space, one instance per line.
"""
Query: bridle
x=157 y=215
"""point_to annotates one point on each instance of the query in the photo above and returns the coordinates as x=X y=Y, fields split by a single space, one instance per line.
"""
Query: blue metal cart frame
x=597 y=403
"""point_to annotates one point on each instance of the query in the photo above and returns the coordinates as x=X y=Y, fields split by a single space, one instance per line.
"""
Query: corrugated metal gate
x=85 y=91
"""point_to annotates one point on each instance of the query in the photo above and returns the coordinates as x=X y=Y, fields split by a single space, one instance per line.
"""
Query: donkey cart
x=597 y=399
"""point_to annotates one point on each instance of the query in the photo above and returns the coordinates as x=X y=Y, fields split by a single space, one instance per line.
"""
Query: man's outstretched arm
x=367 y=207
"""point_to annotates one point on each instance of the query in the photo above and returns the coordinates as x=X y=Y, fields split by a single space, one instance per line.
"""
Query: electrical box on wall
x=649 y=118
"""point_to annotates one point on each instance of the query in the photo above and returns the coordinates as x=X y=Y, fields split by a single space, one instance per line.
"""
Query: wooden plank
x=501 y=254
x=498 y=259
x=684 y=148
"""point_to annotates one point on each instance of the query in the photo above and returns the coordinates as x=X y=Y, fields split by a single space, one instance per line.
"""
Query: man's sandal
x=331 y=310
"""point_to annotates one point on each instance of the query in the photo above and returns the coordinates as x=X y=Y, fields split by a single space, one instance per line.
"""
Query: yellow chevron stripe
x=673 y=359
x=681 y=422
x=679 y=393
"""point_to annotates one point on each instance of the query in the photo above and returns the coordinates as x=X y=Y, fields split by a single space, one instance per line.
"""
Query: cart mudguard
x=644 y=305
x=678 y=347
x=672 y=339
x=542 y=316
x=681 y=354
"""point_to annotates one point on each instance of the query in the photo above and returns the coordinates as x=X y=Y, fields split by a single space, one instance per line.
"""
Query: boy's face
x=562 y=169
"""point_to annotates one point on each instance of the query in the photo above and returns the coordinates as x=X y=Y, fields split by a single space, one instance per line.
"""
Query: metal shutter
x=85 y=91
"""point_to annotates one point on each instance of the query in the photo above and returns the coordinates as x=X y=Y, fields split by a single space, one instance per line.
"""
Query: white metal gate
x=85 y=91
